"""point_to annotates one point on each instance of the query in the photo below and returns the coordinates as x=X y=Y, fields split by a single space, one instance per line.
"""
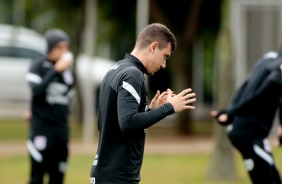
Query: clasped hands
x=179 y=101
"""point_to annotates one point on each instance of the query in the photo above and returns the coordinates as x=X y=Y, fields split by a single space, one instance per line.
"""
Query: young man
x=51 y=81
x=250 y=118
x=123 y=116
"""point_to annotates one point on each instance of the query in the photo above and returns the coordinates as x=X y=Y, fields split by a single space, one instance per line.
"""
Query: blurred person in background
x=51 y=81
x=250 y=118
x=122 y=114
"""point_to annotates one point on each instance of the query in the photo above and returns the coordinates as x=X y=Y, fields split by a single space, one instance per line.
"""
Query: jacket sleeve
x=128 y=101
x=270 y=84
x=38 y=79
x=238 y=95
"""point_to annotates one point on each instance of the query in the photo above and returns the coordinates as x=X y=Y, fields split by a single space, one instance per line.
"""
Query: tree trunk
x=222 y=165
x=182 y=76
x=184 y=63
x=89 y=47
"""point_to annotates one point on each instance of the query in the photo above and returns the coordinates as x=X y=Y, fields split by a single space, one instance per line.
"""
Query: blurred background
x=218 y=42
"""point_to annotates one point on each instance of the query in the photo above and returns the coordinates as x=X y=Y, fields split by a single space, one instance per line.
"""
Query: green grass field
x=156 y=169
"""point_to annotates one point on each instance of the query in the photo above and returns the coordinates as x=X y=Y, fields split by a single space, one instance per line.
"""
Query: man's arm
x=270 y=84
x=39 y=81
x=130 y=119
x=128 y=105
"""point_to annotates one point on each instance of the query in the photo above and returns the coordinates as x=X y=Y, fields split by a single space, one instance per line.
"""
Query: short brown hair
x=156 y=32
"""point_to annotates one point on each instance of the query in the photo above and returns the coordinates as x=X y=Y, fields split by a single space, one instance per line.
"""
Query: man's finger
x=189 y=107
x=169 y=92
x=163 y=95
x=188 y=101
x=185 y=91
x=189 y=95
x=156 y=95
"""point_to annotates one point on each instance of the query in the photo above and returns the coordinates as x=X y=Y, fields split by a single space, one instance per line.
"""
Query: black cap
x=54 y=36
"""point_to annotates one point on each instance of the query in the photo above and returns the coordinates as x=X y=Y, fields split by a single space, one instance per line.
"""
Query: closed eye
x=166 y=56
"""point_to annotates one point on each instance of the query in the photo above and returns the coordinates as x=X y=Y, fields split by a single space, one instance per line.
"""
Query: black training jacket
x=51 y=96
x=122 y=121
x=258 y=99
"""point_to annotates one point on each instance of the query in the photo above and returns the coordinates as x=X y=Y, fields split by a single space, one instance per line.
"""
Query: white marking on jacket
x=131 y=90
x=31 y=77
x=34 y=152
x=263 y=154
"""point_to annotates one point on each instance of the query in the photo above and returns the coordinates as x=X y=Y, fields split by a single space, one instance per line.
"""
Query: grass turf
x=156 y=169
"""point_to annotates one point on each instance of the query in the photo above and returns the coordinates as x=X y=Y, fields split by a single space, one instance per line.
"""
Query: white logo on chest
x=56 y=94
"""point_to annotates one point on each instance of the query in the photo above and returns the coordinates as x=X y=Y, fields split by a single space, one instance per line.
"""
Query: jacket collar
x=136 y=62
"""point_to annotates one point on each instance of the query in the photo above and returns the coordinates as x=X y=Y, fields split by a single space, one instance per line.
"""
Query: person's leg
x=37 y=167
x=265 y=163
x=58 y=162
x=257 y=157
x=36 y=172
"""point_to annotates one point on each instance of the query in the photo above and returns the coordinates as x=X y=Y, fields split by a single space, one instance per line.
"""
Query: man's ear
x=154 y=45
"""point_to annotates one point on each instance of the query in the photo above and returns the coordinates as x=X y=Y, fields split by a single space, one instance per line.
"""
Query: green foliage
x=208 y=66
x=116 y=27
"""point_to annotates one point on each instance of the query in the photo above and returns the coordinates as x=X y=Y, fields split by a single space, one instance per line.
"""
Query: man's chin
x=150 y=74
